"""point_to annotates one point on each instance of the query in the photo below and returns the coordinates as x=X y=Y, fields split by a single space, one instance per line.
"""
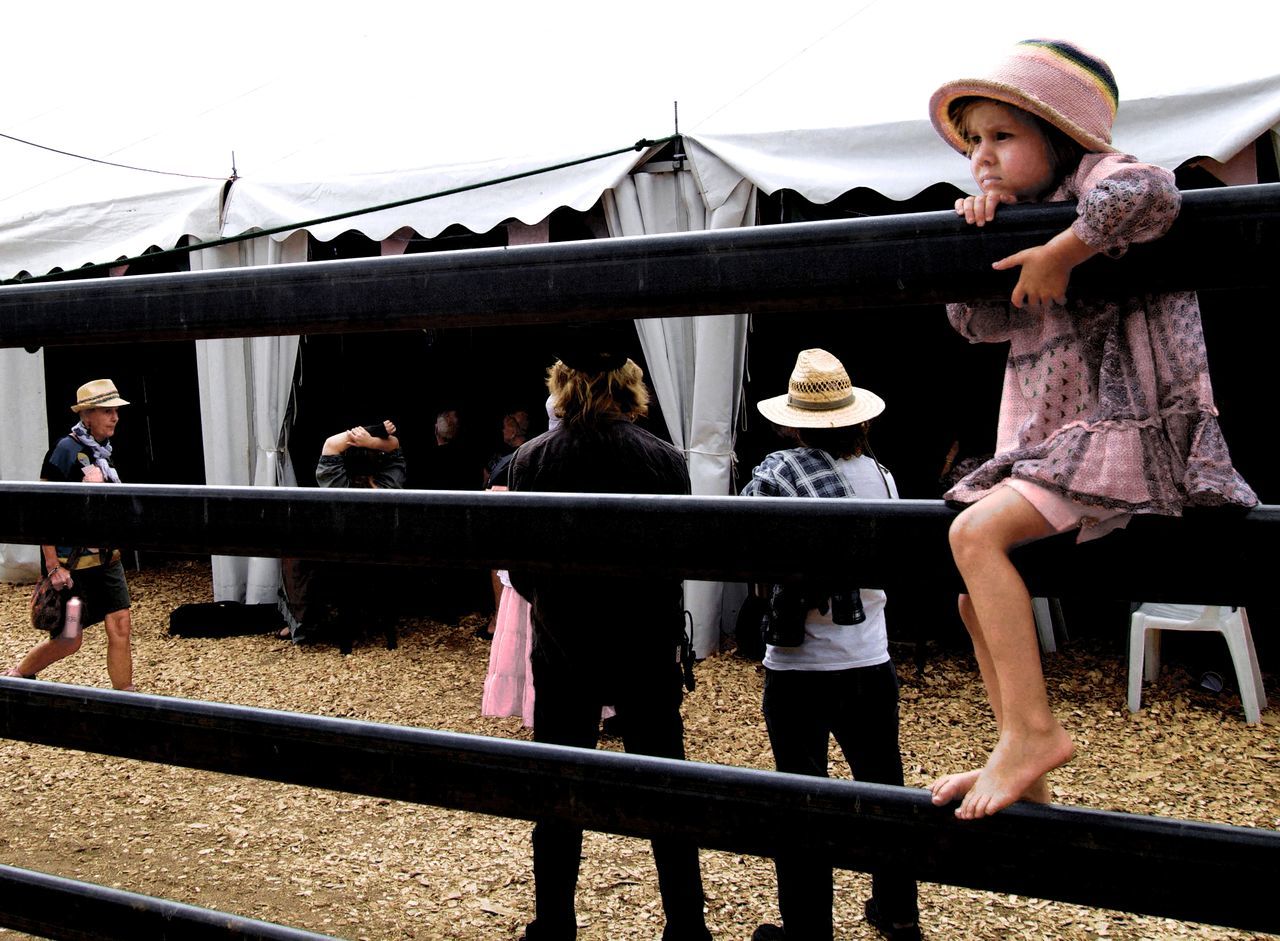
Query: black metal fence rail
x=1217 y=556
x=1224 y=238
x=53 y=907
x=1194 y=871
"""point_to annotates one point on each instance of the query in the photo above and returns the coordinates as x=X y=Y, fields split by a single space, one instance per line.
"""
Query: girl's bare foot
x=952 y=787
x=1019 y=761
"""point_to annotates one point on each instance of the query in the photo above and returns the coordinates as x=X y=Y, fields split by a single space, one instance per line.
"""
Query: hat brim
x=865 y=406
x=113 y=402
x=940 y=104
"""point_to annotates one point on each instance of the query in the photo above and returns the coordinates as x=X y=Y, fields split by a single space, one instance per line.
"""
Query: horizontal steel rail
x=1217 y=556
x=1194 y=871
x=53 y=907
x=1224 y=238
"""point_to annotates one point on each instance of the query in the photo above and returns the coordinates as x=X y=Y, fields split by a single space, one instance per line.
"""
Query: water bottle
x=71 y=623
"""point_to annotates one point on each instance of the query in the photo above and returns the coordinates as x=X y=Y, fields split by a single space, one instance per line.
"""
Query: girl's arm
x=1119 y=202
x=1046 y=269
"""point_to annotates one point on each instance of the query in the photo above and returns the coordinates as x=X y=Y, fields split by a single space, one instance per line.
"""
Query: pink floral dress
x=1107 y=402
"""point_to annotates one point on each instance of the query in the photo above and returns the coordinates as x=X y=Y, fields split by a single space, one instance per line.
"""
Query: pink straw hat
x=1055 y=80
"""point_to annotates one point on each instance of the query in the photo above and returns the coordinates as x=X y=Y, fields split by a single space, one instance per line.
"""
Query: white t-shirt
x=831 y=646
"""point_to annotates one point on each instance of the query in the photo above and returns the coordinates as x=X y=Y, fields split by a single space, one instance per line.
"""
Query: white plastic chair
x=1231 y=623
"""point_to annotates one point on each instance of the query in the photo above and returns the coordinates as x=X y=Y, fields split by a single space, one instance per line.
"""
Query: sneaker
x=768 y=932
x=893 y=931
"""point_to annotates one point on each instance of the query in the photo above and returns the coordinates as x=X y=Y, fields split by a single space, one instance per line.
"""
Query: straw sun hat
x=820 y=395
x=1054 y=80
x=97 y=393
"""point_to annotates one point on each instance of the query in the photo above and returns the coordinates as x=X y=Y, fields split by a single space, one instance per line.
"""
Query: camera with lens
x=782 y=624
x=846 y=607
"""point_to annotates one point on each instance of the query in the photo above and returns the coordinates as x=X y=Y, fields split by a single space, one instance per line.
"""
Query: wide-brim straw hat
x=1055 y=80
x=97 y=393
x=820 y=395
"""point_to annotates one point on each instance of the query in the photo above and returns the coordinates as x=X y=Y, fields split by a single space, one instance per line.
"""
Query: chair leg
x=1137 y=644
x=1248 y=677
x=1044 y=625
x=1253 y=659
x=1151 y=652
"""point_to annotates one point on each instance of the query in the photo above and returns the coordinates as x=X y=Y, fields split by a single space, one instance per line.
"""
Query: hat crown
x=97 y=393
x=819 y=380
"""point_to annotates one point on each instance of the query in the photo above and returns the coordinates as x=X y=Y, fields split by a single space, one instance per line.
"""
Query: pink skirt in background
x=508 y=687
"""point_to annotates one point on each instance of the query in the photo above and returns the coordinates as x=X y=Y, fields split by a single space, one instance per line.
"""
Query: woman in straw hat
x=834 y=676
x=84 y=456
x=1107 y=408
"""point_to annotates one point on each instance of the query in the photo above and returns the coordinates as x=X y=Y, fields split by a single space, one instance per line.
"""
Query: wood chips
x=364 y=868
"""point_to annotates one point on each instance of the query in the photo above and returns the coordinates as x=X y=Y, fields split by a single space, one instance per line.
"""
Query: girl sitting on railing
x=1107 y=409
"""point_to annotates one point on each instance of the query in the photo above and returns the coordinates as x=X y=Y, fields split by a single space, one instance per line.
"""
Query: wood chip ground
x=363 y=868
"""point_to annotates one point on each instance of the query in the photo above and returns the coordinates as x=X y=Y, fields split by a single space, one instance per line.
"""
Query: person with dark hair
x=84 y=456
x=366 y=457
x=604 y=640
x=827 y=665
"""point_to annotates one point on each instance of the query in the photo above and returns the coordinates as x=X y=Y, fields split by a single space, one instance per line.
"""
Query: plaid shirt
x=798 y=472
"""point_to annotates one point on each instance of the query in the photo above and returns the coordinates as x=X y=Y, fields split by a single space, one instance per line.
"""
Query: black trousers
x=802 y=708
x=566 y=711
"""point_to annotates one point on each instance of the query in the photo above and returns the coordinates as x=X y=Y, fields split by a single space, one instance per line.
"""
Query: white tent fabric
x=245 y=386
x=696 y=364
x=38 y=237
x=530 y=199
x=26 y=434
x=822 y=163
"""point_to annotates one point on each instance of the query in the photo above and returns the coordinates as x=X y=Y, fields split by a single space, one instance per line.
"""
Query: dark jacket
x=613 y=627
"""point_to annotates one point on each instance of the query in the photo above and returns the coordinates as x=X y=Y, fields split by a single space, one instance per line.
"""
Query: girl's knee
x=968 y=535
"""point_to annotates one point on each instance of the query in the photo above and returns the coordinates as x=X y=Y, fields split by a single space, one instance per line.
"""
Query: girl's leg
x=1031 y=742
x=952 y=787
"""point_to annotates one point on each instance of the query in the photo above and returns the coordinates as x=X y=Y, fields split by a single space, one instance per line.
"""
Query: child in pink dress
x=508 y=687
x=1107 y=409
